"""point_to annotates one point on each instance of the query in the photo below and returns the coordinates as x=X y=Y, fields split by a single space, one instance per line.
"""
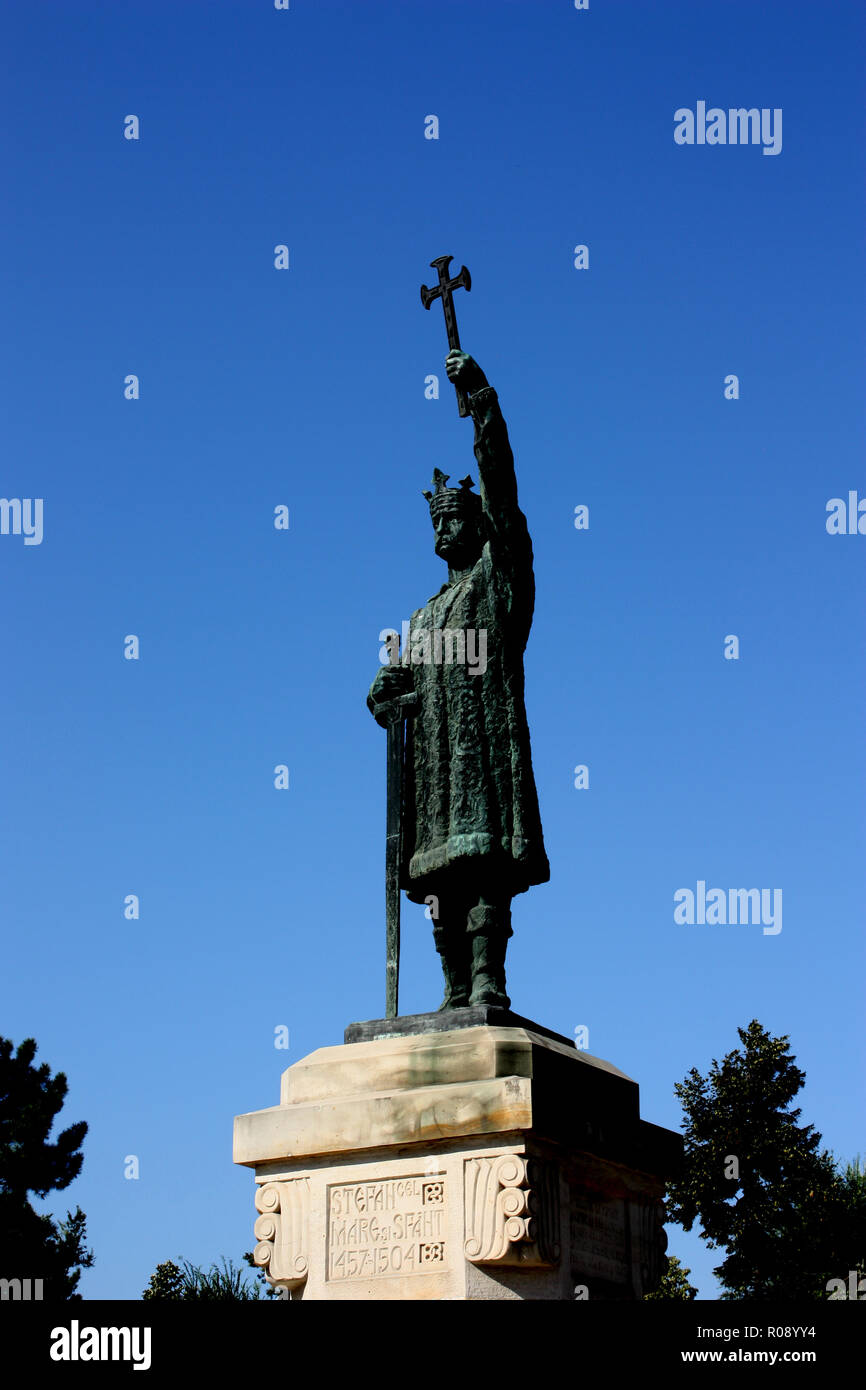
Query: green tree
x=854 y=1178
x=674 y=1282
x=165 y=1283
x=854 y=1215
x=757 y=1181
x=34 y=1246
x=220 y=1283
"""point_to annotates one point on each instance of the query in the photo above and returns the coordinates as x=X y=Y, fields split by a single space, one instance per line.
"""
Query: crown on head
x=454 y=500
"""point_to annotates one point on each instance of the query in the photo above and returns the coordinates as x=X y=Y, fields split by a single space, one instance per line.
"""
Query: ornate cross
x=444 y=288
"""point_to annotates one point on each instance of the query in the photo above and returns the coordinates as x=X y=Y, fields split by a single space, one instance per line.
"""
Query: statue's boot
x=490 y=929
x=453 y=952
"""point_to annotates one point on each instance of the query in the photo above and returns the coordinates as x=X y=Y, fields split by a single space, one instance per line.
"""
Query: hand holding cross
x=464 y=372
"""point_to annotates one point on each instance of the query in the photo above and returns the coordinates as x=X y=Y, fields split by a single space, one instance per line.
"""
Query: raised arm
x=504 y=521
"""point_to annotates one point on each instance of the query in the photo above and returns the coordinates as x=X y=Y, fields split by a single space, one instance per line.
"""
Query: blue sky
x=305 y=387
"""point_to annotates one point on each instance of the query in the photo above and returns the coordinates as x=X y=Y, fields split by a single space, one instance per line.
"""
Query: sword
x=395 y=713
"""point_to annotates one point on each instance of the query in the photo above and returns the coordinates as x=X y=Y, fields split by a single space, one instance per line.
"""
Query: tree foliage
x=165 y=1283
x=34 y=1246
x=758 y=1181
x=674 y=1282
x=220 y=1283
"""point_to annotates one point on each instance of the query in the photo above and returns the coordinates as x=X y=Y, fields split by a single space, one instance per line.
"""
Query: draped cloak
x=470 y=803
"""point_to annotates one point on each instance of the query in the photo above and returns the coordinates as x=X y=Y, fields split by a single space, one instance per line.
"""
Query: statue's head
x=456 y=516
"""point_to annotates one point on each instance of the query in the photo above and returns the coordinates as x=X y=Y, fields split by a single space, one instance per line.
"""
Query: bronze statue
x=471 y=830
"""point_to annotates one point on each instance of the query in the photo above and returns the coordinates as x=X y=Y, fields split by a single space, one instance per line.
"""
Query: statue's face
x=458 y=540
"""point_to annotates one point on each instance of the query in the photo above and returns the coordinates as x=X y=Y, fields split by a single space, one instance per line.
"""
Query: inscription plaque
x=386 y=1227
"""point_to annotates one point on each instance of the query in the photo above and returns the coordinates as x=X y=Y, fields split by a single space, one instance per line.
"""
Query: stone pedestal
x=490 y=1160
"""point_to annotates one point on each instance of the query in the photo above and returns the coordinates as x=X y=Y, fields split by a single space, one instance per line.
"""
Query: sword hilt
x=394 y=710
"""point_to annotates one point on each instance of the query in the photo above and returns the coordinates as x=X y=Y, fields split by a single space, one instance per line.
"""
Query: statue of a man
x=472 y=834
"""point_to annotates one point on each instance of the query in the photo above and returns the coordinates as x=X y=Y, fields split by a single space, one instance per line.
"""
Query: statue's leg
x=449 y=937
x=488 y=927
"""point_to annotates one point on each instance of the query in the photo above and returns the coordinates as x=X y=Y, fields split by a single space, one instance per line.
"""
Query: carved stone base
x=480 y=1163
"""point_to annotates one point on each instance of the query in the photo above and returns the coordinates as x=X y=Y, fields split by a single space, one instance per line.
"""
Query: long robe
x=471 y=807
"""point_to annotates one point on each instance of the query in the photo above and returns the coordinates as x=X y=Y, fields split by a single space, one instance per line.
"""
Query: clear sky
x=305 y=387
